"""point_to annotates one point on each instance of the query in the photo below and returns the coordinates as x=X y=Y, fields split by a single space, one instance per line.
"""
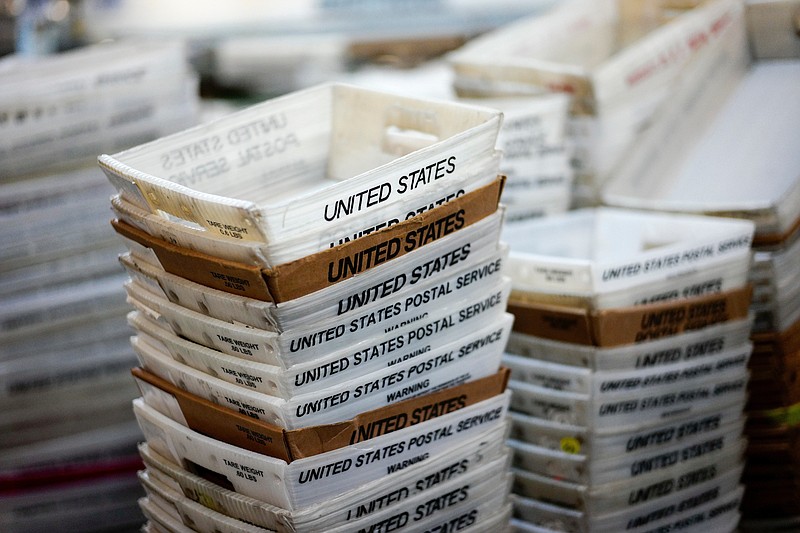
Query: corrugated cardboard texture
x=315 y=272
x=776 y=239
x=240 y=430
x=228 y=276
x=615 y=327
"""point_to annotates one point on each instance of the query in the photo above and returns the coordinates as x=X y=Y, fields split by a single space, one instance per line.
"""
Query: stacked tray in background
x=744 y=146
x=618 y=60
x=320 y=314
x=290 y=45
x=629 y=367
x=70 y=107
x=69 y=456
x=533 y=138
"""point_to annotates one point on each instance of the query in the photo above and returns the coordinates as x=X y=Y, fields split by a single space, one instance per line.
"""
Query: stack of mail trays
x=629 y=370
x=320 y=316
x=732 y=152
x=67 y=435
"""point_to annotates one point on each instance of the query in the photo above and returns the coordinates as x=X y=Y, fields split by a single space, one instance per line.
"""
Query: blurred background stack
x=628 y=369
x=734 y=153
x=69 y=457
x=685 y=107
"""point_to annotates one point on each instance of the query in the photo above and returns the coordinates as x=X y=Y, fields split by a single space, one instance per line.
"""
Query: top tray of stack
x=305 y=173
x=333 y=160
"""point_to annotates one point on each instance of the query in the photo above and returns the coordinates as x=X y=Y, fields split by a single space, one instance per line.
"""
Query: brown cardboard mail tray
x=628 y=325
x=312 y=273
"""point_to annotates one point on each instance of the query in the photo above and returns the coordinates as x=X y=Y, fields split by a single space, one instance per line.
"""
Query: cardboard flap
x=214 y=272
x=240 y=430
x=560 y=323
x=220 y=422
x=613 y=327
x=629 y=325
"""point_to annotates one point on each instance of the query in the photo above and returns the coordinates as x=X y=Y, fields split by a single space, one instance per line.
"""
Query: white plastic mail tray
x=687 y=346
x=491 y=455
x=592 y=252
x=67 y=108
x=739 y=158
x=325 y=157
x=618 y=61
x=322 y=477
